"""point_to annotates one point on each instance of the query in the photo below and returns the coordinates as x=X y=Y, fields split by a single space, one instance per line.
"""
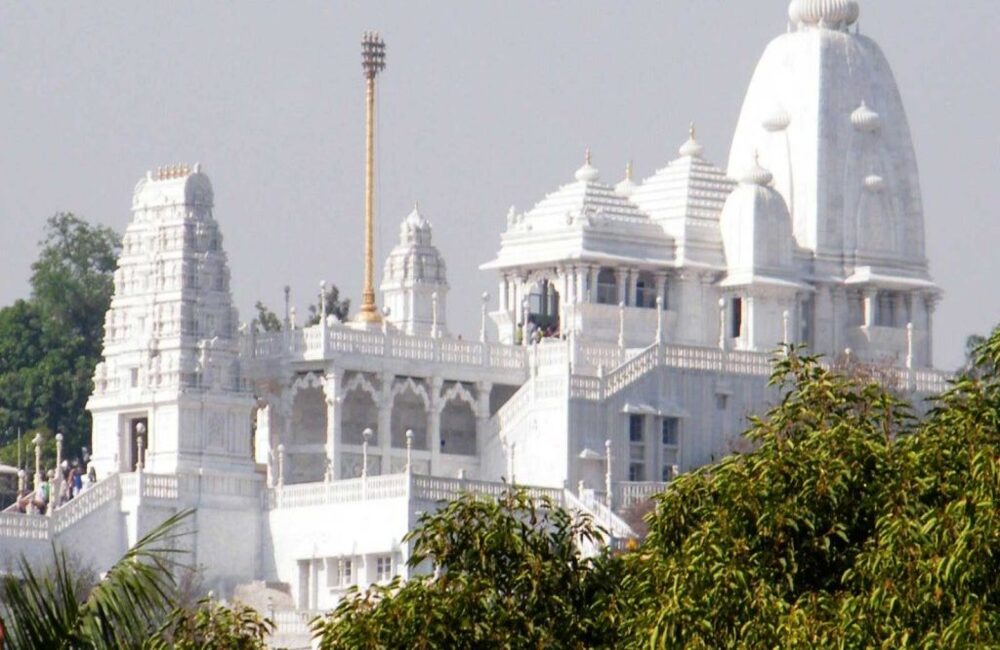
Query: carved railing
x=86 y=502
x=308 y=343
x=630 y=493
x=21 y=526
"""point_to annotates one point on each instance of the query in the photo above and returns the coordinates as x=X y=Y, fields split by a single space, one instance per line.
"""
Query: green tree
x=72 y=279
x=267 y=319
x=850 y=525
x=334 y=306
x=509 y=574
x=213 y=625
x=50 y=344
x=122 y=611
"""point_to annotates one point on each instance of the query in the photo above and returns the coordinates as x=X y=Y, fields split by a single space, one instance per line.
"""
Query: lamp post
x=367 y=433
x=37 y=440
x=372 y=63
x=58 y=480
x=140 y=430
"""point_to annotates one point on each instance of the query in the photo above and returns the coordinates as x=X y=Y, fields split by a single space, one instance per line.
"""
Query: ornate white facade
x=636 y=326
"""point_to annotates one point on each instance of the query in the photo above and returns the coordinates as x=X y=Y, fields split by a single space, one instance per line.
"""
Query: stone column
x=503 y=299
x=592 y=273
x=434 y=424
x=871 y=303
x=384 y=422
x=331 y=391
x=483 y=390
x=661 y=289
x=750 y=341
x=582 y=294
x=620 y=280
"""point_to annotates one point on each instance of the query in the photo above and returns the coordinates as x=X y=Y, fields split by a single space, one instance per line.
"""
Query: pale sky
x=483 y=105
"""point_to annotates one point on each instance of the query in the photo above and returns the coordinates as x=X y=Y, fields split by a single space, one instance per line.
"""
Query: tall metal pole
x=372 y=62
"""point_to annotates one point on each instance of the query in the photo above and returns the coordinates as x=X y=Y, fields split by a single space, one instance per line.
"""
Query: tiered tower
x=168 y=395
x=415 y=284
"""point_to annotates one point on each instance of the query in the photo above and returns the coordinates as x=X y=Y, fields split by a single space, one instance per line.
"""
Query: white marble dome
x=757 y=228
x=845 y=122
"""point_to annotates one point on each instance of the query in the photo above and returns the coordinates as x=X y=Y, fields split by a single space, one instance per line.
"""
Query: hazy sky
x=483 y=105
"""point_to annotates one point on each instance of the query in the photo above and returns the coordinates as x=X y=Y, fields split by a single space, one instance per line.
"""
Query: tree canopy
x=853 y=521
x=507 y=574
x=50 y=344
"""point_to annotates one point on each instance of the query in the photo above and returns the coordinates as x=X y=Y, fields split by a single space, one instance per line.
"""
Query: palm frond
x=41 y=610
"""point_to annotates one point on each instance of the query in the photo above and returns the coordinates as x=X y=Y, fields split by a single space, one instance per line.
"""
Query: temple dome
x=757 y=228
x=832 y=90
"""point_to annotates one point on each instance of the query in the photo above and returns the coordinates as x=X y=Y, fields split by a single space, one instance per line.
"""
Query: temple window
x=736 y=318
x=408 y=413
x=360 y=413
x=645 y=291
x=636 y=448
x=458 y=428
x=607 y=287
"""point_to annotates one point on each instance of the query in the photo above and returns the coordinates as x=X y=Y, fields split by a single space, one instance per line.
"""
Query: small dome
x=835 y=14
x=691 y=148
x=587 y=173
x=865 y=119
x=757 y=175
x=874 y=183
x=415 y=219
x=778 y=120
x=627 y=186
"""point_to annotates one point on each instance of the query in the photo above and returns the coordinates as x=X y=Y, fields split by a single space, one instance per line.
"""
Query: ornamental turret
x=415 y=284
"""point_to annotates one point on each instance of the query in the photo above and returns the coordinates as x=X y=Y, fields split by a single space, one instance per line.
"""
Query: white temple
x=637 y=322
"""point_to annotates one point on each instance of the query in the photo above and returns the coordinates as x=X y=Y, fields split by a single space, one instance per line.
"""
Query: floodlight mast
x=372 y=63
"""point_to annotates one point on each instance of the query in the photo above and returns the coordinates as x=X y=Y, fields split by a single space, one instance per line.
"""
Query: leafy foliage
x=267 y=319
x=509 y=574
x=851 y=525
x=43 y=610
x=334 y=306
x=213 y=625
x=50 y=344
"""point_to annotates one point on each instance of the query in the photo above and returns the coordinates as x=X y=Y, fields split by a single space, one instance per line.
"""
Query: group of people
x=58 y=486
x=536 y=333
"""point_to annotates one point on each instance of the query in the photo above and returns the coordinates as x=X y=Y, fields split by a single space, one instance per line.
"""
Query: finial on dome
x=588 y=173
x=626 y=187
x=828 y=14
x=691 y=148
x=757 y=175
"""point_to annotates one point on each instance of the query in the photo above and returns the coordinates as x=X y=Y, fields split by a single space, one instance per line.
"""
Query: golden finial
x=628 y=171
x=586 y=156
x=691 y=131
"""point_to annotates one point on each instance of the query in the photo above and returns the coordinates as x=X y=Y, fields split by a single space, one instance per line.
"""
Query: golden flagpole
x=372 y=62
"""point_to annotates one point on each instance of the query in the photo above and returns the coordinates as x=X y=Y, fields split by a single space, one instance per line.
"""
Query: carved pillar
x=582 y=294
x=661 y=290
x=620 y=280
x=434 y=423
x=483 y=390
x=384 y=422
x=592 y=273
x=332 y=384
x=871 y=303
